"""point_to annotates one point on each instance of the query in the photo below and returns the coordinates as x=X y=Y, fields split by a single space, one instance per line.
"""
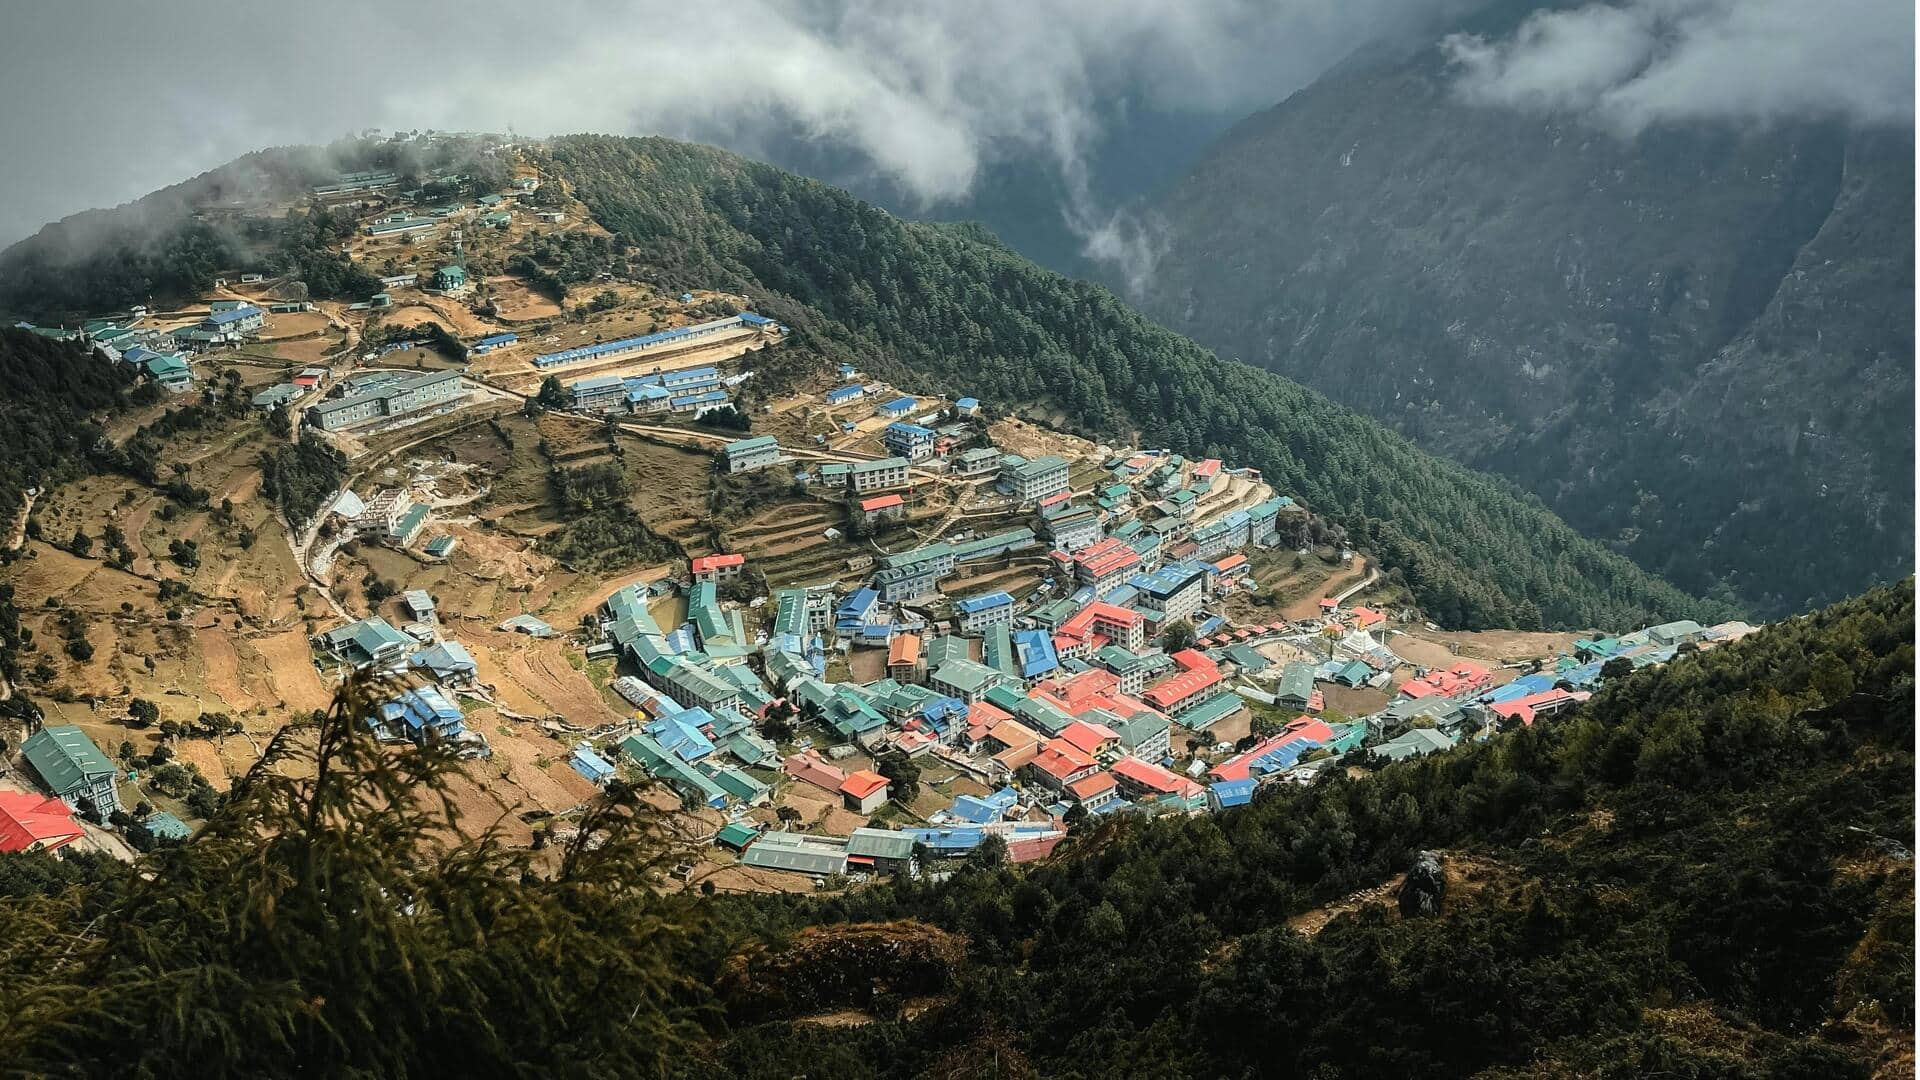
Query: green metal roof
x=966 y=676
x=65 y=758
x=1213 y=710
x=880 y=844
x=736 y=835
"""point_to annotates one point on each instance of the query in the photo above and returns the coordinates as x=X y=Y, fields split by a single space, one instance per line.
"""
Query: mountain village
x=926 y=629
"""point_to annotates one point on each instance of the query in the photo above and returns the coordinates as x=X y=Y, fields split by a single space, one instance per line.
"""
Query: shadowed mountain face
x=1695 y=344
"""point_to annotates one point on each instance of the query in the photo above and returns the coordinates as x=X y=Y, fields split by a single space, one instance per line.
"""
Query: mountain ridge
x=1696 y=345
x=802 y=247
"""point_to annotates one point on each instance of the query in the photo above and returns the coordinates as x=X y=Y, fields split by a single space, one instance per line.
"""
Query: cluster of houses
x=384 y=396
x=1063 y=704
x=161 y=354
x=80 y=780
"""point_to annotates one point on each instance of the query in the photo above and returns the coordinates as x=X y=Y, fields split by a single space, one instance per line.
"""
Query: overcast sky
x=107 y=101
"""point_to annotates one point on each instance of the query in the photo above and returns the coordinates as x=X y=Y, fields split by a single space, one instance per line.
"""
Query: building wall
x=875 y=479
x=981 y=620
x=753 y=459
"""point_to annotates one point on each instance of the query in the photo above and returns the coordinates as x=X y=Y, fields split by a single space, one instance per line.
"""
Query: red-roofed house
x=903 y=658
x=35 y=823
x=717 y=567
x=1364 y=617
x=1095 y=791
x=882 y=508
x=1207 y=469
x=1122 y=626
x=1461 y=678
x=1105 y=564
x=1143 y=779
x=1090 y=738
x=1544 y=703
x=814 y=769
x=1232 y=568
x=981 y=717
x=1196 y=681
x=1059 y=763
x=1055 y=498
x=1029 y=848
x=865 y=791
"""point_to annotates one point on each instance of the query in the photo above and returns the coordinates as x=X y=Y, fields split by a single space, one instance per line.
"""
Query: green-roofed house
x=450 y=278
x=1212 y=711
x=1296 y=686
x=73 y=769
x=666 y=767
x=964 y=679
x=736 y=835
x=819 y=856
x=740 y=786
x=881 y=850
x=745 y=455
x=944 y=648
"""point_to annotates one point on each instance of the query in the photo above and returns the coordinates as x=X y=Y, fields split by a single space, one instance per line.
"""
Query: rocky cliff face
x=1696 y=344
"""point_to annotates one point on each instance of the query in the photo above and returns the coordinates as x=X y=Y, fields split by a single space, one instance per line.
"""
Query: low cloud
x=926 y=95
x=1638 y=63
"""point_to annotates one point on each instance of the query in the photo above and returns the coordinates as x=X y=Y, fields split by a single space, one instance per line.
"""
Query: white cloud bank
x=1638 y=63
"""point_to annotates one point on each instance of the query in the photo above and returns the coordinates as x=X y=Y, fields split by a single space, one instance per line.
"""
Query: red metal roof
x=1061 y=759
x=33 y=821
x=1153 y=777
x=707 y=563
x=881 y=502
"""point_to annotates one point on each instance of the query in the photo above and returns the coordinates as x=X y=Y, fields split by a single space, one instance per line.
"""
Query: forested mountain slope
x=1696 y=343
x=947 y=308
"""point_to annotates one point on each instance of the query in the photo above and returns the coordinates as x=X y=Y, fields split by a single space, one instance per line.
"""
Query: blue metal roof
x=498 y=339
x=901 y=427
x=222 y=318
x=568 y=356
x=1035 y=651
x=751 y=319
x=1233 y=792
x=968 y=403
x=899 y=404
x=845 y=393
x=973 y=604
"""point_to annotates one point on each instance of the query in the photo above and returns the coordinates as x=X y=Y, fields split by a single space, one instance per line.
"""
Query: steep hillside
x=1696 y=344
x=948 y=308
x=1703 y=872
x=1700 y=873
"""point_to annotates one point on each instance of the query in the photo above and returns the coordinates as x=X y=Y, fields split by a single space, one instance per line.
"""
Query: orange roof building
x=864 y=791
x=903 y=651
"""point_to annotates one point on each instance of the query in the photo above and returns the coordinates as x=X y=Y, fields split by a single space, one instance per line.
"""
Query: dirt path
x=20 y=527
x=1308 y=607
